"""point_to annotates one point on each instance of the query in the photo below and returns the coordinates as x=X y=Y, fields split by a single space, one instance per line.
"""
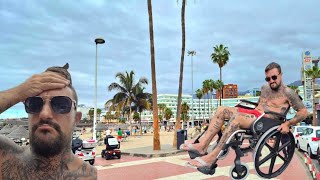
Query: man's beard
x=275 y=88
x=47 y=148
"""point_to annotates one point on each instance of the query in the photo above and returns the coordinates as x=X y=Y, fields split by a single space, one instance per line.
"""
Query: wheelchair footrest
x=208 y=170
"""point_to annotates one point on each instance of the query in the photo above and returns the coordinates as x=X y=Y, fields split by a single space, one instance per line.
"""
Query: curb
x=151 y=155
x=308 y=162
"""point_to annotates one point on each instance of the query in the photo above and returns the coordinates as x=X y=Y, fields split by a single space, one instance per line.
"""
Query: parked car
x=308 y=140
x=297 y=131
x=84 y=149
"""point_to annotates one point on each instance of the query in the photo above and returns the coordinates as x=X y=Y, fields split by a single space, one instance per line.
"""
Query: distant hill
x=295 y=83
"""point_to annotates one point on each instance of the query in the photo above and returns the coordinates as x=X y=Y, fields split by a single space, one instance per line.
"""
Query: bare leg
x=214 y=127
x=238 y=121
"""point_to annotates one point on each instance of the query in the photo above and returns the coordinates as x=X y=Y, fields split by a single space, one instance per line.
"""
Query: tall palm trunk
x=178 y=125
x=129 y=117
x=314 y=120
x=156 y=136
x=140 y=124
x=221 y=92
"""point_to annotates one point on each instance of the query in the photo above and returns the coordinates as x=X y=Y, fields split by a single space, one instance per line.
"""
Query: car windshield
x=318 y=133
x=300 y=129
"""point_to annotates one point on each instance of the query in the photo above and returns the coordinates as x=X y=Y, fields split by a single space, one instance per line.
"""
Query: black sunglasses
x=59 y=104
x=274 y=77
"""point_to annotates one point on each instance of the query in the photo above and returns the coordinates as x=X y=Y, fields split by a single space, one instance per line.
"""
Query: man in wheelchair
x=274 y=102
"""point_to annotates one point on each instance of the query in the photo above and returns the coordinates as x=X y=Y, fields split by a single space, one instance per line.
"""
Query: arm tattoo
x=8 y=98
x=7 y=146
x=294 y=100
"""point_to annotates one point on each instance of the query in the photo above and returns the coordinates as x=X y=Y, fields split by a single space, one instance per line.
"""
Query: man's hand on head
x=38 y=83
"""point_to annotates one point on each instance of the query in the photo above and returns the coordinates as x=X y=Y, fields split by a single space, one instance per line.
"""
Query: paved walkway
x=172 y=167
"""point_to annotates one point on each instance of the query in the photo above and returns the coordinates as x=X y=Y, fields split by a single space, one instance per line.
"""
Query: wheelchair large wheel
x=239 y=175
x=273 y=153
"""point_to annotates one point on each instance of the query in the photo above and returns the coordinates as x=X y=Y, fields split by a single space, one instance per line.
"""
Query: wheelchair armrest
x=250 y=102
x=246 y=104
x=275 y=113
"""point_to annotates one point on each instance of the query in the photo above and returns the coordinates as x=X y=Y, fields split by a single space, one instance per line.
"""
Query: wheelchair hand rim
x=271 y=132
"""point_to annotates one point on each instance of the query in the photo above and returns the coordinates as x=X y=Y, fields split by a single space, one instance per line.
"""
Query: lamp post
x=97 y=41
x=192 y=53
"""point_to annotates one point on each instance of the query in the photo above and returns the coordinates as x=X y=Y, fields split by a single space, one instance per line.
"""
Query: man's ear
x=78 y=117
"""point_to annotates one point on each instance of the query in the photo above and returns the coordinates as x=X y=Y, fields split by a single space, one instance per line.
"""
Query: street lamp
x=97 y=41
x=192 y=53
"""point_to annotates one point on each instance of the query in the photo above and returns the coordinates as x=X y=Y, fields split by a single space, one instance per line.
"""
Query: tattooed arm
x=296 y=103
x=7 y=149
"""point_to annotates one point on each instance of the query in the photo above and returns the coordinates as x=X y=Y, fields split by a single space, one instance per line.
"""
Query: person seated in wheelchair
x=275 y=97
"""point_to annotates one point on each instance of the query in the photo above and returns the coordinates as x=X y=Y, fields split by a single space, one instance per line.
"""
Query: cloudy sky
x=39 y=34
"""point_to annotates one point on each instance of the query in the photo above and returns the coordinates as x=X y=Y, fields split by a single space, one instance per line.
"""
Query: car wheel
x=310 y=152
x=91 y=162
x=119 y=156
x=318 y=155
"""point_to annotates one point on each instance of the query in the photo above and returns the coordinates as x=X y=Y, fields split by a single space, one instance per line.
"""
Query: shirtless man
x=51 y=102
x=275 y=96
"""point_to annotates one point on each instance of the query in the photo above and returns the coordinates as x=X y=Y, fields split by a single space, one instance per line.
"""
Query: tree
x=136 y=116
x=162 y=107
x=99 y=112
x=192 y=53
x=219 y=85
x=313 y=73
x=91 y=113
x=184 y=112
x=205 y=89
x=212 y=86
x=141 y=102
x=126 y=91
x=178 y=125
x=295 y=88
x=156 y=136
x=220 y=56
x=199 y=94
x=168 y=113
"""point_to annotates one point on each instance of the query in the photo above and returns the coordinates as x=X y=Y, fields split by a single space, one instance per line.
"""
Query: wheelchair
x=272 y=151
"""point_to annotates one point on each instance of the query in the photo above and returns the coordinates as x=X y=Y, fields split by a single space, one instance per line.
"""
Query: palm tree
x=178 y=125
x=219 y=86
x=184 y=112
x=168 y=113
x=156 y=136
x=90 y=113
x=313 y=73
x=295 y=88
x=162 y=107
x=199 y=95
x=141 y=102
x=205 y=89
x=211 y=88
x=126 y=91
x=220 y=56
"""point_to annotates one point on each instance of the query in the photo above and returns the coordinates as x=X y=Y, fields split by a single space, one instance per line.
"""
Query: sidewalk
x=140 y=161
x=142 y=145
